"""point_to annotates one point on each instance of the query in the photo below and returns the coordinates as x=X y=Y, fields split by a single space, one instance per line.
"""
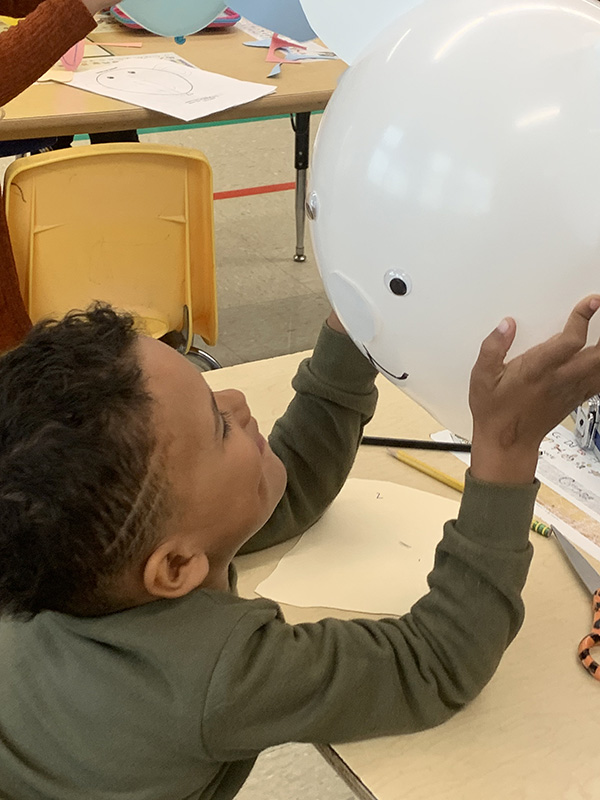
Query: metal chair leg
x=301 y=126
x=205 y=358
x=184 y=342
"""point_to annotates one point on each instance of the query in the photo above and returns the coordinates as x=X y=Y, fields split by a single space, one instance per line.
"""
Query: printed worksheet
x=568 y=470
x=167 y=83
x=563 y=466
x=572 y=472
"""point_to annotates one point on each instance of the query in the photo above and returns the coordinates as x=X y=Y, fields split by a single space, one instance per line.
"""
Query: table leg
x=343 y=770
x=301 y=126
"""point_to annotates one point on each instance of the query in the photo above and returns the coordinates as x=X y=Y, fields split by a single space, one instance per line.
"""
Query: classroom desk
x=533 y=733
x=52 y=109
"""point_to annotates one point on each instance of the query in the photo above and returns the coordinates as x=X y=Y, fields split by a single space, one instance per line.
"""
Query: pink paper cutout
x=277 y=43
x=72 y=58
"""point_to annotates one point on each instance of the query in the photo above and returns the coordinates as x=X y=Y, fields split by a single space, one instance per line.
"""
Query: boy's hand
x=515 y=404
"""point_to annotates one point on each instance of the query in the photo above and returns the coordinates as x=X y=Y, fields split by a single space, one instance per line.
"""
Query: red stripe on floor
x=274 y=187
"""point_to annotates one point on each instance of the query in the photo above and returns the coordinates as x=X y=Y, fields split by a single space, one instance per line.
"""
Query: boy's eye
x=225 y=416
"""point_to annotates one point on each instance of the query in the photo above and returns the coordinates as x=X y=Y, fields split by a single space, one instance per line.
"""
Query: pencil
x=417 y=444
x=537 y=526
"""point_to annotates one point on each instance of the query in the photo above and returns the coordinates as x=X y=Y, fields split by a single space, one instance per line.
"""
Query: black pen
x=417 y=444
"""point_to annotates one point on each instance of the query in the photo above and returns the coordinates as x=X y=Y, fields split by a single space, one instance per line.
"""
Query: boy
x=128 y=666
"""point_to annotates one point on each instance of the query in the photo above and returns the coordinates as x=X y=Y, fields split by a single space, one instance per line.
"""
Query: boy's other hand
x=515 y=404
x=333 y=321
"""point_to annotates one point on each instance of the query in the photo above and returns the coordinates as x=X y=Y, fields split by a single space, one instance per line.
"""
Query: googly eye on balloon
x=398 y=282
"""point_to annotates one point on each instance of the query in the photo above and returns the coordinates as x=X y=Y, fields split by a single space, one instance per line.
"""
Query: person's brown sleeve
x=30 y=48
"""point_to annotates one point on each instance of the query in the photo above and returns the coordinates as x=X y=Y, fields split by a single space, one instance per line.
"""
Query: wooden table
x=533 y=733
x=52 y=109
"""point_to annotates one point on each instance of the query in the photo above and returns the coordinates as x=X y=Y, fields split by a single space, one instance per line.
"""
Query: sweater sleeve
x=337 y=681
x=18 y=8
x=30 y=48
x=318 y=436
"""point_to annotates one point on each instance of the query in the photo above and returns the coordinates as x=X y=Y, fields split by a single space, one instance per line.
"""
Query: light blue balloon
x=173 y=17
x=285 y=17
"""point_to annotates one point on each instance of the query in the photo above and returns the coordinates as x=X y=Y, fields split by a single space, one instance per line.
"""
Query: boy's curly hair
x=81 y=494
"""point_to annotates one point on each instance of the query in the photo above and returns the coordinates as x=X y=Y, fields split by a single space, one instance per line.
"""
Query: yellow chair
x=128 y=224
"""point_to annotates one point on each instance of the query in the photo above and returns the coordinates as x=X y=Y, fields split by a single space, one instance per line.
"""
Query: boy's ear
x=174 y=569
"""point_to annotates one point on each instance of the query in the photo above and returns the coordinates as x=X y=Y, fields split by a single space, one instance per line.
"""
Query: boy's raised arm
x=318 y=436
x=335 y=680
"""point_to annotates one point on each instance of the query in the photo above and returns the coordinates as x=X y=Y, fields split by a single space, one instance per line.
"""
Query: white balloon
x=460 y=159
x=348 y=26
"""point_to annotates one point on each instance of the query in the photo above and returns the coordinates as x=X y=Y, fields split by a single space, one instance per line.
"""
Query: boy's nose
x=234 y=402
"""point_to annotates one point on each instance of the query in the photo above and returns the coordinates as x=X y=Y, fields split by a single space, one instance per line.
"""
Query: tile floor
x=268 y=306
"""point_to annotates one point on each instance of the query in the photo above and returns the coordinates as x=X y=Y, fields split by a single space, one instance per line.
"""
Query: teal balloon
x=285 y=17
x=173 y=18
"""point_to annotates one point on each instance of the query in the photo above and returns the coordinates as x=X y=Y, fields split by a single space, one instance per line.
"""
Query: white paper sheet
x=572 y=472
x=166 y=83
x=370 y=553
x=253 y=30
x=59 y=74
x=93 y=50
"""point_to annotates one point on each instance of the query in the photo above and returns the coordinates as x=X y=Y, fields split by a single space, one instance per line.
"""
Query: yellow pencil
x=536 y=525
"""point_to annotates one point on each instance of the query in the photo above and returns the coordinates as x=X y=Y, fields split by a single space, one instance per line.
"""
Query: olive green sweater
x=175 y=699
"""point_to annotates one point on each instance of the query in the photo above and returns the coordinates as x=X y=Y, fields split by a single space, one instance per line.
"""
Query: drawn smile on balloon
x=378 y=366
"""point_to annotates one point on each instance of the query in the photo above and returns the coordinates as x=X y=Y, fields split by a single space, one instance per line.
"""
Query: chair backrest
x=129 y=224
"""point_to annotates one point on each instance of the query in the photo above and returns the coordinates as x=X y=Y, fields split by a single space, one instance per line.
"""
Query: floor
x=268 y=305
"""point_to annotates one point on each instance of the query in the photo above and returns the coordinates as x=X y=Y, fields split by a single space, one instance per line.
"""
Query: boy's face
x=225 y=478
